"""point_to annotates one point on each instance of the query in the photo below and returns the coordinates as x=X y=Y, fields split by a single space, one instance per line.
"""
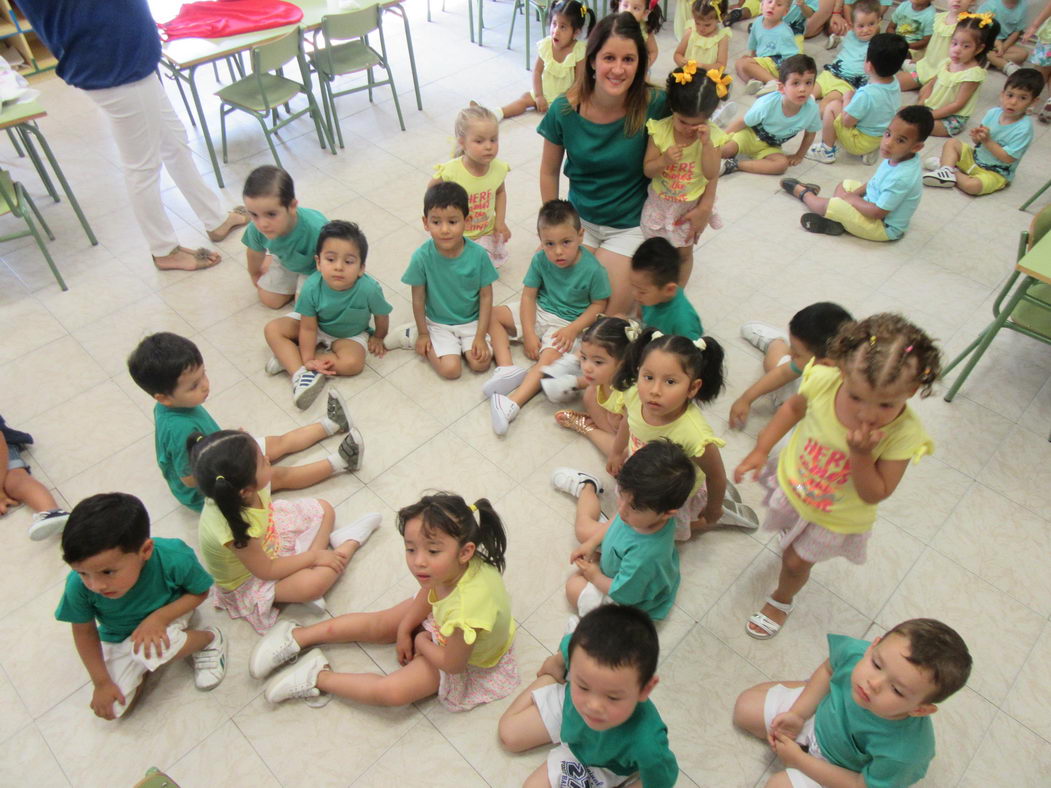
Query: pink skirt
x=297 y=523
x=475 y=686
x=812 y=542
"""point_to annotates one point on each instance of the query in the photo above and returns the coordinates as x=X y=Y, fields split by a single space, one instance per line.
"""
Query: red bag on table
x=221 y=18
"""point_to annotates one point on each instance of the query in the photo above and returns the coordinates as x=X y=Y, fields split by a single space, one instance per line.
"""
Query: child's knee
x=449 y=367
x=779 y=780
x=512 y=733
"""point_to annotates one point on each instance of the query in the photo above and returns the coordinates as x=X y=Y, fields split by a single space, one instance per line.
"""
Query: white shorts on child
x=279 y=279
x=779 y=699
x=590 y=598
x=547 y=323
x=326 y=339
x=127 y=668
x=619 y=240
x=453 y=340
x=563 y=768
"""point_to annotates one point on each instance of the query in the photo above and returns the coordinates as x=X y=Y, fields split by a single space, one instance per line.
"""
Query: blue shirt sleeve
x=860 y=105
x=757 y=112
x=254 y=239
x=893 y=190
x=753 y=40
x=812 y=121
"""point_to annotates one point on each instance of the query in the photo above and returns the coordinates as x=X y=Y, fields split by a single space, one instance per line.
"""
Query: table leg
x=35 y=131
x=528 y=12
x=191 y=78
x=396 y=9
x=38 y=165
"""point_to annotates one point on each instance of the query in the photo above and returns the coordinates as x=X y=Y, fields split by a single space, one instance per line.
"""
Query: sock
x=337 y=463
x=328 y=425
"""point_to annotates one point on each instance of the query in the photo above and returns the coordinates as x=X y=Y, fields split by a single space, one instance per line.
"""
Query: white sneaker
x=732 y=493
x=566 y=364
x=352 y=450
x=504 y=380
x=306 y=385
x=273 y=366
x=298 y=680
x=403 y=337
x=739 y=515
x=870 y=158
x=274 y=649
x=932 y=163
x=47 y=524
x=753 y=87
x=572 y=481
x=560 y=389
x=760 y=335
x=821 y=153
x=502 y=411
x=769 y=87
x=834 y=40
x=360 y=530
x=943 y=178
x=209 y=664
x=337 y=410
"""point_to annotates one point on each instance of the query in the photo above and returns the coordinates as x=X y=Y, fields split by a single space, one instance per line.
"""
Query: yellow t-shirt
x=937 y=48
x=814 y=468
x=213 y=533
x=683 y=181
x=705 y=49
x=948 y=85
x=481 y=192
x=609 y=398
x=691 y=431
x=557 y=77
x=480 y=607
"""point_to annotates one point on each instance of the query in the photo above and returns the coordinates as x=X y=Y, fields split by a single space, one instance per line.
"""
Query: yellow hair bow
x=472 y=507
x=583 y=11
x=686 y=75
x=722 y=82
x=985 y=19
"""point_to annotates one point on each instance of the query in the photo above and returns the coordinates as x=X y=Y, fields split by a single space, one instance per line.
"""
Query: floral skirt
x=660 y=217
x=496 y=247
x=475 y=686
x=297 y=523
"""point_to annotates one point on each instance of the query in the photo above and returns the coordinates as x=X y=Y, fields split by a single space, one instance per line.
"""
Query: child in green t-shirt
x=654 y=279
x=170 y=369
x=863 y=717
x=129 y=599
x=591 y=699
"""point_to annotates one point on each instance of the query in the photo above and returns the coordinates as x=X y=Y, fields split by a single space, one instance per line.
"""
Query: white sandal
x=739 y=515
x=768 y=626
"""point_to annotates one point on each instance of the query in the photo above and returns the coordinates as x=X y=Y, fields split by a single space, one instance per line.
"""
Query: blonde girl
x=664 y=379
x=952 y=94
x=476 y=168
x=560 y=58
x=682 y=159
x=650 y=17
x=262 y=552
x=854 y=436
x=705 y=40
x=937 y=48
x=453 y=638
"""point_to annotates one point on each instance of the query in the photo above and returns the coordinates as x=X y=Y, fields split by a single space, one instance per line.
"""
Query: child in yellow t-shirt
x=853 y=440
x=923 y=70
x=952 y=94
x=705 y=40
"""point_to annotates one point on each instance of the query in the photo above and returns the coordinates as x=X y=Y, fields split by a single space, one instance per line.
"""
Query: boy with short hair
x=770 y=41
x=452 y=292
x=638 y=563
x=564 y=291
x=880 y=209
x=604 y=725
x=17 y=486
x=914 y=21
x=785 y=356
x=334 y=308
x=860 y=126
x=654 y=279
x=1000 y=142
x=773 y=120
x=847 y=72
x=170 y=369
x=130 y=598
x=864 y=715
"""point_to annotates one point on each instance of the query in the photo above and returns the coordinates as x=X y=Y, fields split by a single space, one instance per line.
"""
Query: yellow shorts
x=853 y=220
x=799 y=43
x=751 y=146
x=852 y=140
x=829 y=82
x=991 y=181
x=751 y=6
x=769 y=64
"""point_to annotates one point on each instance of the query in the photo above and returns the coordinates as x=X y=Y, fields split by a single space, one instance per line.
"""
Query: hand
x=754 y=462
x=787 y=723
x=838 y=25
x=376 y=346
x=698 y=219
x=704 y=134
x=531 y=345
x=151 y=636
x=709 y=516
x=673 y=155
x=326 y=366
x=787 y=749
x=553 y=667
x=480 y=351
x=423 y=345
x=739 y=413
x=404 y=646
x=589 y=569
x=564 y=338
x=7 y=502
x=103 y=698
x=331 y=559
x=502 y=231
x=840 y=191
x=585 y=551
x=423 y=636
x=863 y=440
x=541 y=105
x=795 y=158
x=981 y=134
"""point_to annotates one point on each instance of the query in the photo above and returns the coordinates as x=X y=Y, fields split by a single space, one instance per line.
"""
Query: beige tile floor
x=965 y=539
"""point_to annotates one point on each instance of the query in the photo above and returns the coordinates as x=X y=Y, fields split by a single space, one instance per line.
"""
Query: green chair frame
x=1036 y=194
x=540 y=7
x=13 y=200
x=354 y=55
x=262 y=92
x=1002 y=313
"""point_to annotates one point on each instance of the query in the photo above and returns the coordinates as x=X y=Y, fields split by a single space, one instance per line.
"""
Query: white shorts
x=563 y=768
x=590 y=598
x=279 y=279
x=452 y=340
x=547 y=323
x=619 y=240
x=325 y=339
x=126 y=668
x=779 y=699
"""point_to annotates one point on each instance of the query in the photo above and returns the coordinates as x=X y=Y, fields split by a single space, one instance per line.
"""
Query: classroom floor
x=965 y=539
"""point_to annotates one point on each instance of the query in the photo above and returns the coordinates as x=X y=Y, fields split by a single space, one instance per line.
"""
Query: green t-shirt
x=172 y=426
x=452 y=283
x=342 y=313
x=296 y=250
x=887 y=753
x=674 y=317
x=640 y=744
x=567 y=292
x=171 y=572
x=644 y=567
x=604 y=167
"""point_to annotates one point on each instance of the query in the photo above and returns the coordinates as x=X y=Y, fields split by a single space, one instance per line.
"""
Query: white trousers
x=148 y=134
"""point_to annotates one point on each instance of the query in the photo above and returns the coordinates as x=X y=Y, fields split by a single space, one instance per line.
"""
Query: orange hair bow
x=984 y=19
x=722 y=82
x=686 y=75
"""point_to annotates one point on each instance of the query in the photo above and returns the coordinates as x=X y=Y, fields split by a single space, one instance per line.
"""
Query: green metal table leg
x=34 y=157
x=527 y=12
x=191 y=78
x=397 y=9
x=1029 y=202
x=32 y=128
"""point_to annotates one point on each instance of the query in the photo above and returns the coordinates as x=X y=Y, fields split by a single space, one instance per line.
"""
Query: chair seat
x=345 y=58
x=1031 y=316
x=245 y=92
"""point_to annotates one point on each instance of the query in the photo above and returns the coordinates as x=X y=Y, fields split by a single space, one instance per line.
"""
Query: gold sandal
x=575 y=420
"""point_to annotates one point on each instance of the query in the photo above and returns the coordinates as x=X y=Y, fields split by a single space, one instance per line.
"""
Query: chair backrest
x=351 y=24
x=271 y=56
x=1040 y=225
x=8 y=195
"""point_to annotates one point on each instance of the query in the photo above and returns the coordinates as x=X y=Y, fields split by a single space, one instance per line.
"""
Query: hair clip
x=220 y=477
x=984 y=19
x=631 y=330
x=656 y=335
x=472 y=507
x=907 y=350
x=583 y=11
x=199 y=438
x=653 y=4
x=872 y=341
x=700 y=344
x=686 y=75
x=722 y=83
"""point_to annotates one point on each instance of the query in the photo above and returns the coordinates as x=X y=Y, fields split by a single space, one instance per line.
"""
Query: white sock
x=337 y=463
x=328 y=425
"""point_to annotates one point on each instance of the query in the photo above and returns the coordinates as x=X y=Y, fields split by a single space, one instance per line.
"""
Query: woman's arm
x=550 y=168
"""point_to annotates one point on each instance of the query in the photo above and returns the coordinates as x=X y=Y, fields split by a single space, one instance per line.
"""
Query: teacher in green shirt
x=599 y=128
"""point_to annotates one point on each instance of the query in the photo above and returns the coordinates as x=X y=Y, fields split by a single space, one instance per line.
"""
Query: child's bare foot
x=238 y=217
x=184 y=259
